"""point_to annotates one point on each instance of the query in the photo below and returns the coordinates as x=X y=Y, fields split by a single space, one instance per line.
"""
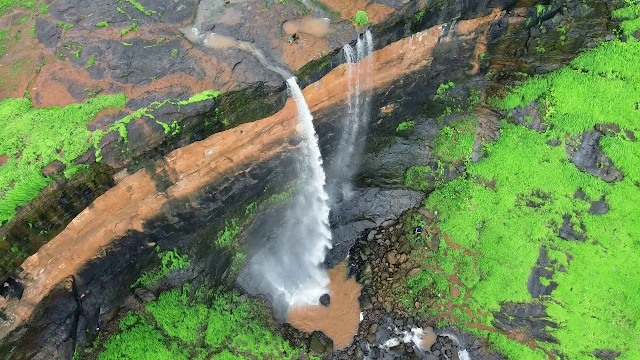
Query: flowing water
x=286 y=262
x=288 y=265
x=354 y=127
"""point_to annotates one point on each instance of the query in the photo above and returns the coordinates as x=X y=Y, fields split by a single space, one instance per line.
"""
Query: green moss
x=7 y=6
x=171 y=261
x=177 y=326
x=631 y=12
x=102 y=24
x=454 y=143
x=90 y=62
x=139 y=340
x=505 y=225
x=141 y=8
x=64 y=27
x=283 y=196
x=361 y=18
x=227 y=236
x=121 y=125
x=131 y=28
x=175 y=53
x=405 y=125
x=173 y=305
x=38 y=137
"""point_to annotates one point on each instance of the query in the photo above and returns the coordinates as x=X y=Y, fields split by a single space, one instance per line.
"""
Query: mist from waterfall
x=288 y=265
x=346 y=158
x=286 y=258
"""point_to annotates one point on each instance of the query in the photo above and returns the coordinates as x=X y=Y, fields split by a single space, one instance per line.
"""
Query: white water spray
x=347 y=156
x=289 y=267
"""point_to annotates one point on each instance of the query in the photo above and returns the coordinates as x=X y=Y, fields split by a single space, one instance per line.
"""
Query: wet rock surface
x=588 y=157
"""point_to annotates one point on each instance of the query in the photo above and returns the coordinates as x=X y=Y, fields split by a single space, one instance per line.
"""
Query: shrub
x=361 y=18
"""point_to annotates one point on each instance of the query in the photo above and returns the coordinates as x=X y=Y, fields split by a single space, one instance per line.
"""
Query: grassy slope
x=596 y=303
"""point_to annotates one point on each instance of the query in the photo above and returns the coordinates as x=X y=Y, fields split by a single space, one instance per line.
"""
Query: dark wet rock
x=59 y=319
x=588 y=157
x=541 y=270
x=325 y=299
x=144 y=295
x=599 y=207
x=320 y=344
x=11 y=288
x=54 y=168
x=377 y=205
x=606 y=354
x=529 y=116
x=368 y=208
x=569 y=232
x=530 y=318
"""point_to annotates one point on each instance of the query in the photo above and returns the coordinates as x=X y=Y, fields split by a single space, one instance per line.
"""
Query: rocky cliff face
x=178 y=192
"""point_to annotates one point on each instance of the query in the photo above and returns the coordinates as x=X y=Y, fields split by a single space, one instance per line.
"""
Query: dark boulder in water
x=325 y=299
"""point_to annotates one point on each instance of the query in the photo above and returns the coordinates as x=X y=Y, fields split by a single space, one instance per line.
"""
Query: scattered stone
x=371 y=235
x=388 y=223
x=325 y=299
x=144 y=295
x=54 y=168
x=414 y=272
x=455 y=291
x=388 y=307
x=606 y=354
x=319 y=343
x=373 y=328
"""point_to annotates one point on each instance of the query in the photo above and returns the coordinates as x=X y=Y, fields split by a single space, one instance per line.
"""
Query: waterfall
x=354 y=124
x=288 y=266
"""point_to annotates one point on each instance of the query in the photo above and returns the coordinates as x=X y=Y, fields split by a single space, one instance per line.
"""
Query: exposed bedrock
x=180 y=192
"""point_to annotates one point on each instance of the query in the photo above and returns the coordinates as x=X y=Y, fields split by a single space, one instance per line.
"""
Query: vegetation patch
x=361 y=18
x=180 y=326
x=494 y=220
x=405 y=125
x=38 y=137
x=121 y=125
x=630 y=12
x=171 y=261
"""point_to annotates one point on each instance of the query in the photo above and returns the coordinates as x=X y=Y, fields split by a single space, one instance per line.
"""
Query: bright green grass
x=631 y=12
x=361 y=18
x=178 y=317
x=33 y=138
x=177 y=327
x=600 y=86
x=596 y=304
x=171 y=261
x=6 y=6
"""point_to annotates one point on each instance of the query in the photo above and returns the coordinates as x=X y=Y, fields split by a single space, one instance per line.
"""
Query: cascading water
x=347 y=155
x=288 y=267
